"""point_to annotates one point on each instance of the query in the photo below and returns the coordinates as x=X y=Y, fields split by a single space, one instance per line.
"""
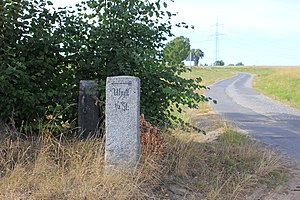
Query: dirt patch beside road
x=291 y=189
x=287 y=191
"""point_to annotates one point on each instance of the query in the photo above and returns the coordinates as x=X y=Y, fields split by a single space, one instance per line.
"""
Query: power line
x=216 y=35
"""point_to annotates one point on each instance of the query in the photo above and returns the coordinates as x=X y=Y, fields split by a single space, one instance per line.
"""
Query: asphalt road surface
x=272 y=122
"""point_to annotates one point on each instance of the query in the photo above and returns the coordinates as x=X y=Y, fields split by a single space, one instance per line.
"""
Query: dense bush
x=239 y=64
x=219 y=63
x=33 y=73
x=45 y=52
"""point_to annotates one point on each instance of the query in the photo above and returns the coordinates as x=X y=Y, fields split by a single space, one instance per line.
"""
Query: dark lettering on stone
x=121 y=93
x=123 y=106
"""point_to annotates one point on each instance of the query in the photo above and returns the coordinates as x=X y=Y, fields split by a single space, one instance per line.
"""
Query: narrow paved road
x=269 y=121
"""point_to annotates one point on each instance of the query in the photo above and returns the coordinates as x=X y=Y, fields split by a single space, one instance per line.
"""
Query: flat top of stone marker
x=122 y=77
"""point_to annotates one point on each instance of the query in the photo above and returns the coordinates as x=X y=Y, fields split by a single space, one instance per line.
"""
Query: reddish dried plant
x=152 y=140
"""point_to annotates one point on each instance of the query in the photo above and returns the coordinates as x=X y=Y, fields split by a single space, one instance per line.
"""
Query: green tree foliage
x=239 y=64
x=177 y=50
x=219 y=63
x=45 y=53
x=198 y=54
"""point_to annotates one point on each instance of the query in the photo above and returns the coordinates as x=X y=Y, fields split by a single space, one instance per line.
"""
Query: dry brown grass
x=233 y=164
x=46 y=167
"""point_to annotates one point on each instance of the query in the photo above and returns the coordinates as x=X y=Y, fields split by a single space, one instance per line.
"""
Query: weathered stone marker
x=122 y=125
x=88 y=108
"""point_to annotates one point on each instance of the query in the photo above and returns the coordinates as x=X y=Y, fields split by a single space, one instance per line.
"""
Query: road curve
x=269 y=121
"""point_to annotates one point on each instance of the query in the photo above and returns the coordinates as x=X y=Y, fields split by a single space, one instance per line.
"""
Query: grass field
x=280 y=83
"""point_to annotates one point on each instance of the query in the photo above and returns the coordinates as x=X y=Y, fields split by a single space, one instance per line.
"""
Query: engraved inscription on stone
x=121 y=94
x=122 y=148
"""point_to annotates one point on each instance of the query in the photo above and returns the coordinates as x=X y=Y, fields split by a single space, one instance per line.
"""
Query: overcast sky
x=255 y=32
